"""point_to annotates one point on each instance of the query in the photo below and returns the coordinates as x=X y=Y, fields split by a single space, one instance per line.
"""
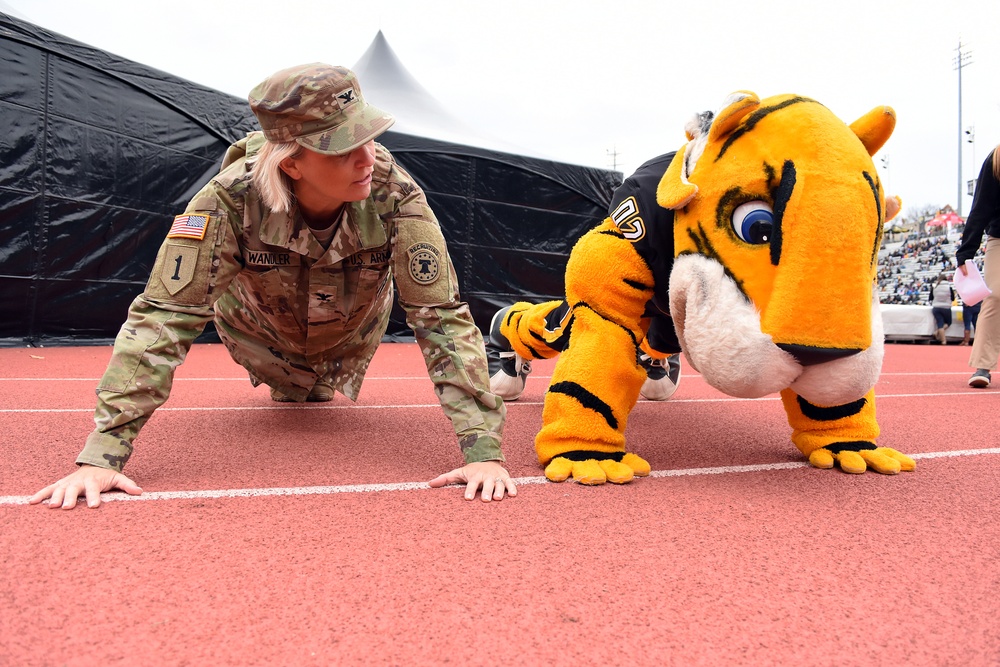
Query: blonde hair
x=273 y=185
x=996 y=162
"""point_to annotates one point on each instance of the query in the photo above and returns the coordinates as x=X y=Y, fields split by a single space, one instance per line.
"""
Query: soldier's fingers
x=93 y=490
x=487 y=483
x=448 y=478
x=72 y=493
x=127 y=485
x=511 y=487
x=41 y=495
x=471 y=488
x=56 y=499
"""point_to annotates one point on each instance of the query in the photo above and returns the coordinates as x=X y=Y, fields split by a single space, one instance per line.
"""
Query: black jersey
x=650 y=228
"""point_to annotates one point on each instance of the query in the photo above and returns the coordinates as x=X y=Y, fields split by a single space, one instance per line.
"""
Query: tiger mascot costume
x=778 y=218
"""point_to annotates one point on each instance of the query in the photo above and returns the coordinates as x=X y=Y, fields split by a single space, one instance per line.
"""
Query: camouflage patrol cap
x=319 y=106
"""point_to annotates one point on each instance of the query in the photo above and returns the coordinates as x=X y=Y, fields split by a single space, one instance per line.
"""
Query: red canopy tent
x=949 y=219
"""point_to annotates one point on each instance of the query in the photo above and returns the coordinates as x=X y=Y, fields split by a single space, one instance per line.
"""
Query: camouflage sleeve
x=187 y=278
x=448 y=337
x=452 y=347
x=150 y=345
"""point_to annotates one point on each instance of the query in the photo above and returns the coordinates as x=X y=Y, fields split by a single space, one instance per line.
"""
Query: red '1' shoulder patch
x=189 y=226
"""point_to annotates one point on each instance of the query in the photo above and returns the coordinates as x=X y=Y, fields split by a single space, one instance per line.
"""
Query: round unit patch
x=425 y=266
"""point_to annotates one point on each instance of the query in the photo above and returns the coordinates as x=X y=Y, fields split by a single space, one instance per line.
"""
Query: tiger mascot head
x=779 y=214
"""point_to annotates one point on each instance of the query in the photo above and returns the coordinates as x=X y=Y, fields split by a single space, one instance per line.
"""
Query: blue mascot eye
x=753 y=222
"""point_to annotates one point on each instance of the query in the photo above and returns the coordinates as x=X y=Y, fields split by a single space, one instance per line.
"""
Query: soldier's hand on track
x=88 y=480
x=491 y=476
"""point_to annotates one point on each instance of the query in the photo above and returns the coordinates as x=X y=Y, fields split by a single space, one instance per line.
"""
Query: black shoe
x=662 y=377
x=508 y=370
x=980 y=379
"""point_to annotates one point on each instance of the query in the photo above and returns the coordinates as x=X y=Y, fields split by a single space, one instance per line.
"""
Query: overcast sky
x=606 y=84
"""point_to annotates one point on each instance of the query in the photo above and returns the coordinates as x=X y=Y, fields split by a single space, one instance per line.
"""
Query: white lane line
x=323 y=406
x=421 y=378
x=245 y=408
x=414 y=486
x=957 y=452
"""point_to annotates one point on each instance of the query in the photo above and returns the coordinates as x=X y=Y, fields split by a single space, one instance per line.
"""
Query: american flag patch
x=189 y=226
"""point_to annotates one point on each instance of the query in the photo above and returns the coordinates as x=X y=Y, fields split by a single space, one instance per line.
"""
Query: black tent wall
x=96 y=157
x=509 y=220
x=99 y=153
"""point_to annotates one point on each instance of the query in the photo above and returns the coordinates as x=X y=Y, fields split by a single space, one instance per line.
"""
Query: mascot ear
x=674 y=190
x=734 y=108
x=875 y=128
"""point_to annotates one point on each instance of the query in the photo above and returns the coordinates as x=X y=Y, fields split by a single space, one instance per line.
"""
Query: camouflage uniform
x=293 y=314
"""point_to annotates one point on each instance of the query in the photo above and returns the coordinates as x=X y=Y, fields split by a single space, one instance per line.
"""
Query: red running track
x=274 y=534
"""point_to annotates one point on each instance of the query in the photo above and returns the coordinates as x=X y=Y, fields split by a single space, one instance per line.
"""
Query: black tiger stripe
x=534 y=352
x=508 y=318
x=853 y=446
x=878 y=207
x=586 y=399
x=584 y=304
x=781 y=195
x=705 y=248
x=757 y=116
x=510 y=315
x=701 y=244
x=586 y=455
x=642 y=287
x=615 y=233
x=770 y=174
x=559 y=344
x=816 y=413
x=562 y=342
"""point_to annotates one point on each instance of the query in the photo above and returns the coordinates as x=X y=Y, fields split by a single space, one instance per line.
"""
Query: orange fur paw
x=593 y=472
x=881 y=459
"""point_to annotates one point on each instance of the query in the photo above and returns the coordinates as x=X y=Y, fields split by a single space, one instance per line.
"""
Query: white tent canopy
x=386 y=83
x=10 y=11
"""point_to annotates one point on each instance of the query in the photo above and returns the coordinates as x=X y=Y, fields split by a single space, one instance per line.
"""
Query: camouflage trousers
x=293 y=372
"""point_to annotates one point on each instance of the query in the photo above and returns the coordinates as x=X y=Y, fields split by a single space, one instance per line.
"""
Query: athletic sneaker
x=980 y=379
x=662 y=377
x=321 y=393
x=508 y=369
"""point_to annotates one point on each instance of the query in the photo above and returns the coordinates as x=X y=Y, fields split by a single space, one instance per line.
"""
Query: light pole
x=970 y=136
x=963 y=59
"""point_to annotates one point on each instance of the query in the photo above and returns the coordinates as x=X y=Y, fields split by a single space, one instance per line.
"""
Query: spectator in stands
x=942 y=295
x=907 y=270
x=970 y=316
x=293 y=250
x=984 y=217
